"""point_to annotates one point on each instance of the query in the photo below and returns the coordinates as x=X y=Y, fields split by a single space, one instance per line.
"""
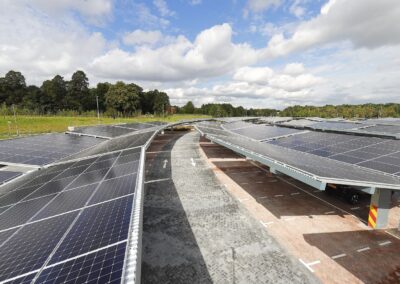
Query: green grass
x=28 y=125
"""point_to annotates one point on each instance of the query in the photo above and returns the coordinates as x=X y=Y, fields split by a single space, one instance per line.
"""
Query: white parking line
x=308 y=265
x=244 y=183
x=329 y=212
x=355 y=208
x=265 y=224
x=295 y=193
x=338 y=256
x=278 y=195
x=385 y=243
x=262 y=197
x=363 y=249
x=156 y=180
x=244 y=199
x=259 y=182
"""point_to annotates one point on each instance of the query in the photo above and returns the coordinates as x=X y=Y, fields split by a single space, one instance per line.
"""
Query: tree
x=188 y=108
x=54 y=92
x=31 y=100
x=161 y=102
x=123 y=98
x=78 y=92
x=12 y=88
x=100 y=92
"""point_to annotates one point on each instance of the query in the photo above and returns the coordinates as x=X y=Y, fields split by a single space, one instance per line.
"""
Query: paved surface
x=196 y=232
x=327 y=234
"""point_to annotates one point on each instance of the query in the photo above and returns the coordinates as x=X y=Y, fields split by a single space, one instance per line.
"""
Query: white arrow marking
x=165 y=164
x=193 y=163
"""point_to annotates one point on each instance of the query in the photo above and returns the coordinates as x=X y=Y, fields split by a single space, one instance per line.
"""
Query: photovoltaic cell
x=124 y=169
x=22 y=212
x=103 y=266
x=8 y=175
x=88 y=178
x=4 y=235
x=43 y=149
x=262 y=132
x=51 y=187
x=114 y=188
x=96 y=227
x=29 y=248
x=67 y=201
x=15 y=196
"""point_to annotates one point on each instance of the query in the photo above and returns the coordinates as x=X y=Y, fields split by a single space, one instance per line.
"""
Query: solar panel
x=43 y=149
x=335 y=125
x=137 y=126
x=103 y=266
x=80 y=210
x=263 y=132
x=96 y=227
x=30 y=246
x=108 y=131
x=370 y=152
x=8 y=175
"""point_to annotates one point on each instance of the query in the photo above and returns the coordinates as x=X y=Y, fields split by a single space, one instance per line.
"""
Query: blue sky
x=255 y=53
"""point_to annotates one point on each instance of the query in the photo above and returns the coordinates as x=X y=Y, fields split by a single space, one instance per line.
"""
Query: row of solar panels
x=369 y=159
x=372 y=127
x=71 y=221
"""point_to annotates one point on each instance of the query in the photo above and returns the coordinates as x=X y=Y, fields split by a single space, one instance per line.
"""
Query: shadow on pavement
x=170 y=252
x=371 y=256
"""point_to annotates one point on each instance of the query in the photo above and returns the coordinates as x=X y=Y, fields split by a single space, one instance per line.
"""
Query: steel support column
x=379 y=208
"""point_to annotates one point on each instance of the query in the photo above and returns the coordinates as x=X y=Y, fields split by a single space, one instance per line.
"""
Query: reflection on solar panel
x=370 y=152
x=109 y=131
x=136 y=126
x=390 y=129
x=263 y=132
x=8 y=175
x=43 y=149
x=67 y=217
x=236 y=125
x=335 y=125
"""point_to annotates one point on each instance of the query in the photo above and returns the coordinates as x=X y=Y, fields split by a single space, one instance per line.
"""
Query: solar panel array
x=43 y=149
x=111 y=131
x=315 y=165
x=390 y=129
x=70 y=222
x=8 y=175
x=261 y=131
x=369 y=152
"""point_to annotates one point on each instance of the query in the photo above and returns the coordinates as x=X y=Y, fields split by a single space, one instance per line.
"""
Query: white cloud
x=211 y=54
x=195 y=2
x=162 y=8
x=41 y=47
x=258 y=6
x=296 y=8
x=95 y=11
x=293 y=78
x=140 y=37
x=294 y=69
x=147 y=18
x=364 y=23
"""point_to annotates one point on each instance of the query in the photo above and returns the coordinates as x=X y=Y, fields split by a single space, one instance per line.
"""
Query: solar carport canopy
x=78 y=220
x=317 y=167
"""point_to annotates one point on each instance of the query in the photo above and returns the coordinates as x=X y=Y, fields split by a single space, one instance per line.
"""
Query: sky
x=254 y=53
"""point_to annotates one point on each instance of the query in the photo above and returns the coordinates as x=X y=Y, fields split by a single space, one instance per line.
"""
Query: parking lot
x=326 y=234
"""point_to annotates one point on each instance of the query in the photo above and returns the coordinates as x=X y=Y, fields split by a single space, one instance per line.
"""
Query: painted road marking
x=262 y=197
x=308 y=265
x=259 y=181
x=363 y=249
x=165 y=164
x=295 y=193
x=338 y=256
x=157 y=180
x=279 y=195
x=193 y=163
x=354 y=208
x=265 y=224
x=329 y=212
x=385 y=243
x=243 y=199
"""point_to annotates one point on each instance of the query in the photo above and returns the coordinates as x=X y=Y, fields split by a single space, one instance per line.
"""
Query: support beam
x=379 y=208
x=273 y=170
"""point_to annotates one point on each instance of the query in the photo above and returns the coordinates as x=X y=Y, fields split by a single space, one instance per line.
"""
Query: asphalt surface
x=194 y=231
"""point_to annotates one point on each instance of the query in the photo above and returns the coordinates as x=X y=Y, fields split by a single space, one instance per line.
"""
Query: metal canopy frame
x=313 y=180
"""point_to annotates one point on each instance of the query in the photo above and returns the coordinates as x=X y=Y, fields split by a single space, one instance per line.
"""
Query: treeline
x=60 y=95
x=346 y=111
x=223 y=110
